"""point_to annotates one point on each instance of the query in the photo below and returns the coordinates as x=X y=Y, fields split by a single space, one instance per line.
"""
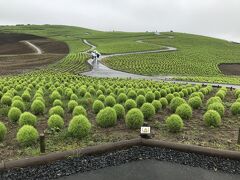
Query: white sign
x=145 y=130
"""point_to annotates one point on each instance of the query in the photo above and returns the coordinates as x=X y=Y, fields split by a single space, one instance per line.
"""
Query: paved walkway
x=100 y=70
x=152 y=170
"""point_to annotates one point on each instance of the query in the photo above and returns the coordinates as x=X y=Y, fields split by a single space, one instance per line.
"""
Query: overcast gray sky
x=218 y=18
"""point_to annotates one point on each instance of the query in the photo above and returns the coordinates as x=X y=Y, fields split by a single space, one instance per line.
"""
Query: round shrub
x=129 y=104
x=101 y=98
x=56 y=110
x=174 y=123
x=134 y=118
x=26 y=96
x=177 y=101
x=148 y=110
x=14 y=114
x=6 y=100
x=140 y=100
x=164 y=102
x=79 y=110
x=184 y=111
x=3 y=131
x=17 y=98
x=71 y=105
x=55 y=122
x=57 y=102
x=212 y=118
x=157 y=105
x=150 y=96
x=55 y=95
x=163 y=92
x=110 y=101
x=195 y=102
x=27 y=118
x=97 y=106
x=37 y=107
x=213 y=100
x=235 y=108
x=122 y=97
x=217 y=107
x=132 y=94
x=107 y=117
x=119 y=110
x=169 y=97
x=18 y=104
x=74 y=97
x=79 y=126
x=27 y=135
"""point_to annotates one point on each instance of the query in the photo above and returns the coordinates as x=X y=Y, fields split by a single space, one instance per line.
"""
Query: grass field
x=77 y=111
x=196 y=56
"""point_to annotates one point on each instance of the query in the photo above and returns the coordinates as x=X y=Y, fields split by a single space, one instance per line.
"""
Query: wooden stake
x=42 y=143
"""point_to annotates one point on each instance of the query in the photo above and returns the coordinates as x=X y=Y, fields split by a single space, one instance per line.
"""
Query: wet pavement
x=152 y=170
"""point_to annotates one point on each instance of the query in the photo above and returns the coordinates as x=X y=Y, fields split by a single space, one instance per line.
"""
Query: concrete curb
x=109 y=147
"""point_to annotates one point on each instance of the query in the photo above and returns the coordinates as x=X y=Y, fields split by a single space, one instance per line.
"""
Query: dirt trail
x=34 y=47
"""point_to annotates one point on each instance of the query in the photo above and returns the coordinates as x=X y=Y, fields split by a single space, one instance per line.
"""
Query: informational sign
x=145 y=130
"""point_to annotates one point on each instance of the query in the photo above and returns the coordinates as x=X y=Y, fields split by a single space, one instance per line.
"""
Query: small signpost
x=145 y=131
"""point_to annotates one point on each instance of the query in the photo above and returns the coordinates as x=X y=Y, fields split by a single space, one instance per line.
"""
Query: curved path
x=34 y=47
x=100 y=70
x=37 y=50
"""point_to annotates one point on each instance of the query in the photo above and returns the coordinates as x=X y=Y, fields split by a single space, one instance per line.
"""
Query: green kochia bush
x=27 y=135
x=217 y=107
x=129 y=104
x=55 y=95
x=134 y=118
x=214 y=100
x=174 y=123
x=177 y=101
x=195 y=102
x=121 y=98
x=79 y=110
x=14 y=114
x=132 y=94
x=150 y=96
x=107 y=117
x=184 y=111
x=27 y=118
x=56 y=110
x=97 y=106
x=55 y=122
x=148 y=110
x=79 y=127
x=140 y=100
x=26 y=96
x=164 y=102
x=235 y=108
x=110 y=101
x=212 y=118
x=57 y=102
x=119 y=110
x=37 y=107
x=169 y=97
x=3 y=131
x=6 y=100
x=71 y=105
x=157 y=105
x=19 y=104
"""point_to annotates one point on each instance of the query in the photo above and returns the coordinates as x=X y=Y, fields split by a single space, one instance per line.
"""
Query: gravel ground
x=87 y=163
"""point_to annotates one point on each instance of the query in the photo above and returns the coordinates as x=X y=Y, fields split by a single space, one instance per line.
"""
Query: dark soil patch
x=230 y=68
x=22 y=58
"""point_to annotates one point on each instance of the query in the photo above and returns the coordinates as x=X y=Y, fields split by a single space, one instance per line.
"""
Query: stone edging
x=109 y=147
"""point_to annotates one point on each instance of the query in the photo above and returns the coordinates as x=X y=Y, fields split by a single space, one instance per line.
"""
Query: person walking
x=94 y=55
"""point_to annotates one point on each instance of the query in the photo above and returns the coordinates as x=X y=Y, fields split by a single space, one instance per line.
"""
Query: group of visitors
x=95 y=55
